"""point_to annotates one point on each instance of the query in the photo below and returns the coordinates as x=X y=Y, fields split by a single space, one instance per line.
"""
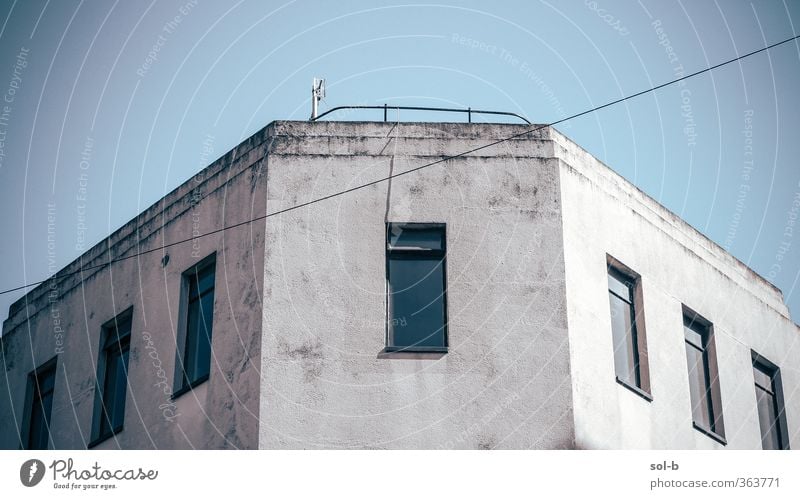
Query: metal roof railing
x=469 y=111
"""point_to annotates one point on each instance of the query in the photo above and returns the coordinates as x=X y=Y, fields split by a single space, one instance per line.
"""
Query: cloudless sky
x=80 y=90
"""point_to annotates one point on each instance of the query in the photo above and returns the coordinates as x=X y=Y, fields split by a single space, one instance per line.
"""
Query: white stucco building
x=519 y=296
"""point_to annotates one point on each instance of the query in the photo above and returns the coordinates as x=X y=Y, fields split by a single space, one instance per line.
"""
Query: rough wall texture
x=605 y=214
x=504 y=382
x=300 y=304
x=220 y=413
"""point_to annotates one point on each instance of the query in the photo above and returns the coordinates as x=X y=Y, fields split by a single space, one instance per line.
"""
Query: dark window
x=416 y=275
x=199 y=282
x=113 y=383
x=703 y=376
x=627 y=328
x=769 y=400
x=40 y=386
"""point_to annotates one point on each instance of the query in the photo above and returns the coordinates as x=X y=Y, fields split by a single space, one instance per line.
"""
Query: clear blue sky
x=721 y=151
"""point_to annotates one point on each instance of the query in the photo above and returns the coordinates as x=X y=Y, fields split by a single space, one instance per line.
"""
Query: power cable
x=384 y=179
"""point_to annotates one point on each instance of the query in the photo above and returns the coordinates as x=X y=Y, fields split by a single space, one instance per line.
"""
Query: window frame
x=182 y=383
x=716 y=430
x=33 y=394
x=412 y=253
x=112 y=342
x=635 y=299
x=773 y=371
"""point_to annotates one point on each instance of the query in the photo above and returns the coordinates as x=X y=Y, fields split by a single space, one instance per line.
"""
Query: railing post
x=469 y=114
x=384 y=113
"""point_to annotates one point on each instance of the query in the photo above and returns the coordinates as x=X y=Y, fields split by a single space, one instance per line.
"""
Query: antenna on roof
x=317 y=94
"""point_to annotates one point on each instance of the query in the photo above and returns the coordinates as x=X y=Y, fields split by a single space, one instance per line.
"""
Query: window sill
x=416 y=349
x=638 y=391
x=425 y=353
x=714 y=436
x=99 y=440
x=191 y=386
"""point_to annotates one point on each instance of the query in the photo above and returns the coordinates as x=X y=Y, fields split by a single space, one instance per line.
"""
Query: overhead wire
x=59 y=275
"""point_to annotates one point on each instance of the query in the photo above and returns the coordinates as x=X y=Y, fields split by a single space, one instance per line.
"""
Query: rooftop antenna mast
x=317 y=94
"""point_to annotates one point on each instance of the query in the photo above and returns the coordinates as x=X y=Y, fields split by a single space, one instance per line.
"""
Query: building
x=519 y=296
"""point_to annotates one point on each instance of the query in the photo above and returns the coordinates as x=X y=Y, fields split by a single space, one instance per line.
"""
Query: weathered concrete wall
x=300 y=304
x=220 y=413
x=605 y=214
x=505 y=381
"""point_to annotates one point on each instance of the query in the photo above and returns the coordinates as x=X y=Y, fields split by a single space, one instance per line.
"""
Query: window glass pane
x=115 y=389
x=120 y=389
x=108 y=392
x=404 y=237
x=117 y=333
x=193 y=322
x=41 y=407
x=763 y=379
x=767 y=418
x=203 y=360
x=200 y=281
x=416 y=302
x=46 y=381
x=694 y=335
x=124 y=327
x=205 y=280
x=39 y=431
x=618 y=286
x=37 y=439
x=625 y=355
x=193 y=285
x=47 y=406
x=698 y=387
x=200 y=317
